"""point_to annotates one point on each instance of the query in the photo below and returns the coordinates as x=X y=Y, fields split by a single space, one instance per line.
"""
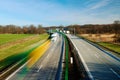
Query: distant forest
x=97 y=29
x=113 y=28
x=13 y=29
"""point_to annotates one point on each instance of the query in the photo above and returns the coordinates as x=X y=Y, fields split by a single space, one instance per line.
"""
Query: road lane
x=46 y=67
x=100 y=66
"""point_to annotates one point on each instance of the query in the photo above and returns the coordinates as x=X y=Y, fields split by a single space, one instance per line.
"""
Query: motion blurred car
x=54 y=36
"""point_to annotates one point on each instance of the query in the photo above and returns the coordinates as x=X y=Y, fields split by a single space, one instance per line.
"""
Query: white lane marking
x=82 y=44
x=115 y=73
x=88 y=49
x=17 y=70
x=71 y=60
x=52 y=49
x=85 y=65
x=96 y=55
x=39 y=68
x=48 y=56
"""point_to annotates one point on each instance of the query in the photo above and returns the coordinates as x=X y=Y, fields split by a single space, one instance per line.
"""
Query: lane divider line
x=115 y=73
x=39 y=68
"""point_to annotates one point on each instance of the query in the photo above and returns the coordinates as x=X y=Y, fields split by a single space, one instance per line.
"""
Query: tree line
x=13 y=29
x=97 y=29
x=77 y=29
x=113 y=28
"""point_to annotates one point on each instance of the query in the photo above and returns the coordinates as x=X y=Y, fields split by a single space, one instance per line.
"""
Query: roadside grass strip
x=111 y=46
x=37 y=53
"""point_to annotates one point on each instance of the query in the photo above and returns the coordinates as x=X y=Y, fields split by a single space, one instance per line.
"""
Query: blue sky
x=59 y=12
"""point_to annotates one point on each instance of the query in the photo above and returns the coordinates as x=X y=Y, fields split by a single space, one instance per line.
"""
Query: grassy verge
x=11 y=55
x=22 y=46
x=111 y=46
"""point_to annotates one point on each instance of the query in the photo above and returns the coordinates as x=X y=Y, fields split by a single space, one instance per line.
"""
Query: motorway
x=99 y=65
x=45 y=68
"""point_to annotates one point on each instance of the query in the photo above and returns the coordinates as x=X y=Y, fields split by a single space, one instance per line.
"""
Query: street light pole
x=74 y=30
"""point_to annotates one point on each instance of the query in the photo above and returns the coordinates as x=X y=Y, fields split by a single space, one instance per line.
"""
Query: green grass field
x=5 y=38
x=16 y=48
x=111 y=46
x=18 y=51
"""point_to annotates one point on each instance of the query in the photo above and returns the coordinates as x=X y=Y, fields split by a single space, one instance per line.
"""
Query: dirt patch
x=100 y=37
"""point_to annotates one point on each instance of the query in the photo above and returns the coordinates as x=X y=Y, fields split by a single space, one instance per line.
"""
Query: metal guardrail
x=58 y=75
x=59 y=70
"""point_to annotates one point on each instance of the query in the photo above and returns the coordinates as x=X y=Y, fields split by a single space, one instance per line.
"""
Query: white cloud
x=100 y=4
x=48 y=13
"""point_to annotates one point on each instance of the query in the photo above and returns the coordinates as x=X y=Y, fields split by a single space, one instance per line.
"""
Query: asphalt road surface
x=45 y=68
x=99 y=65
